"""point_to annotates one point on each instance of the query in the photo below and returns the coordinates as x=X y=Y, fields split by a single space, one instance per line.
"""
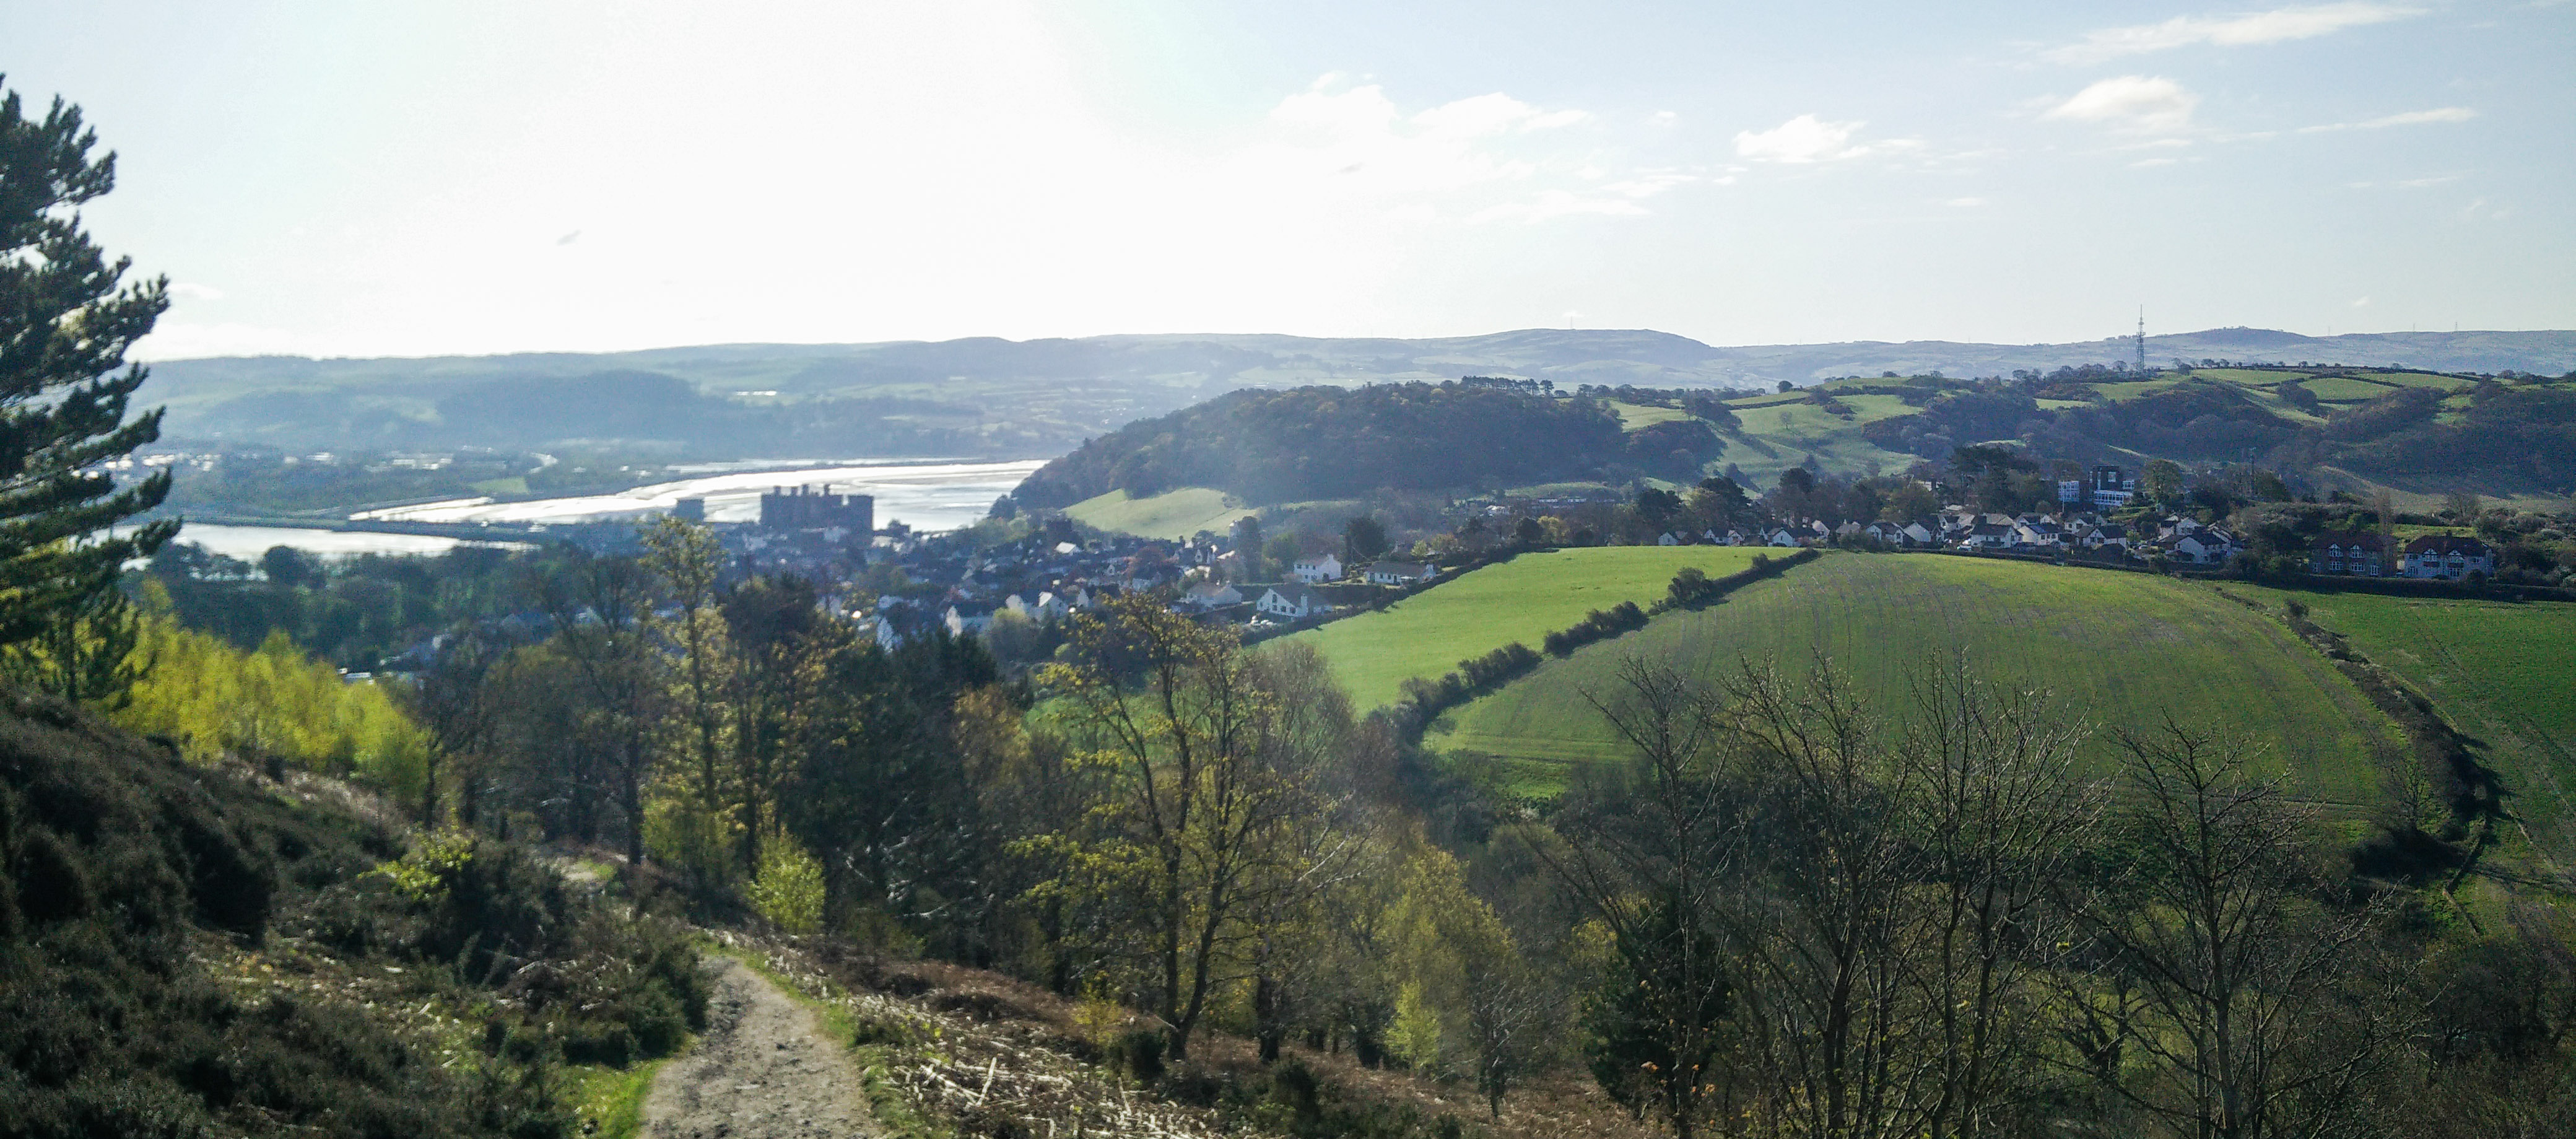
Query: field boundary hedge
x=1425 y=700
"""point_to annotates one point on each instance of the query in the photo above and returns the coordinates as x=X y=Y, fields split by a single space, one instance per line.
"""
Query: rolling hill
x=2499 y=672
x=1037 y=398
x=2122 y=650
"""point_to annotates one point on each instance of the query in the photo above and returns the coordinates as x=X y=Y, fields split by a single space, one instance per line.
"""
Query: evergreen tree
x=66 y=322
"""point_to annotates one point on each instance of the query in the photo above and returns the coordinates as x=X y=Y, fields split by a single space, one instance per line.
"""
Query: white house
x=1780 y=537
x=1211 y=595
x=2037 y=532
x=2201 y=545
x=1886 y=532
x=1294 y=602
x=1402 y=573
x=2445 y=555
x=1047 y=607
x=2104 y=535
x=1987 y=536
x=1667 y=539
x=1921 y=533
x=961 y=621
x=1314 y=571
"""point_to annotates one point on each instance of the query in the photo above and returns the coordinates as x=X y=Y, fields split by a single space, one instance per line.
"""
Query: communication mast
x=2142 y=338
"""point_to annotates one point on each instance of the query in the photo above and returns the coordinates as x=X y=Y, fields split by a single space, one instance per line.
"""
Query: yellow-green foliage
x=789 y=889
x=423 y=874
x=214 y=699
x=1447 y=942
x=681 y=830
x=1415 y=1035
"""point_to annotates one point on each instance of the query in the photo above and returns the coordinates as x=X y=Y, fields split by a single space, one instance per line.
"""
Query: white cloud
x=2420 y=183
x=1555 y=204
x=1479 y=160
x=1648 y=184
x=2405 y=119
x=1492 y=114
x=2251 y=28
x=2138 y=103
x=190 y=290
x=2363 y=302
x=1802 y=139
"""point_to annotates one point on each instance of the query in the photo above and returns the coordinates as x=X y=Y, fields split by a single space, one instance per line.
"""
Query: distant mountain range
x=1036 y=398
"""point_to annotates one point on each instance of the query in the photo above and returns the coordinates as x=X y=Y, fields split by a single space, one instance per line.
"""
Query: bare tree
x=1999 y=815
x=1828 y=1010
x=1648 y=855
x=2235 y=987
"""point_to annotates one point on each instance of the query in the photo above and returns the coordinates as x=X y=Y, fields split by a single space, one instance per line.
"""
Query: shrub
x=1141 y=1051
x=789 y=888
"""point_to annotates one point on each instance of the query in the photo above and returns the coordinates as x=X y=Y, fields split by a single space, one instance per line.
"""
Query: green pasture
x=2347 y=389
x=2132 y=389
x=1523 y=600
x=1782 y=435
x=1171 y=514
x=2120 y=649
x=2503 y=673
x=2420 y=380
x=1633 y=416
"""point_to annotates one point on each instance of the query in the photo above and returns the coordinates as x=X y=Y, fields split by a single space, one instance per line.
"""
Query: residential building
x=1314 y=571
x=2447 y=556
x=1208 y=595
x=1403 y=573
x=2362 y=555
x=1294 y=602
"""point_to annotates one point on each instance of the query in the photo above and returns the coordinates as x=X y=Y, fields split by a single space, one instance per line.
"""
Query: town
x=1010 y=580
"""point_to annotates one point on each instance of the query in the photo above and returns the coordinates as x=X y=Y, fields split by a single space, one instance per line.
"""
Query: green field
x=1633 y=416
x=1778 y=435
x=2501 y=673
x=1523 y=600
x=2119 y=649
x=1171 y=514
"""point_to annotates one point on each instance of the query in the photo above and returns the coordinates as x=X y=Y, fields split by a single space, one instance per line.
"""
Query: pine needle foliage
x=67 y=319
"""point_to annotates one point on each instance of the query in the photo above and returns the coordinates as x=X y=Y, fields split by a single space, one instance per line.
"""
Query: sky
x=468 y=177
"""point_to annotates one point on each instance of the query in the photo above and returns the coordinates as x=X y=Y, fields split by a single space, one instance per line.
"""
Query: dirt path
x=764 y=1070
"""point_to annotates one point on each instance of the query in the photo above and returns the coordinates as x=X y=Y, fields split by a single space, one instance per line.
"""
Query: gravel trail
x=764 y=1070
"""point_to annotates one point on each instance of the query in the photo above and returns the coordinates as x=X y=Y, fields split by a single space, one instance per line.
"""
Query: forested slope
x=1328 y=442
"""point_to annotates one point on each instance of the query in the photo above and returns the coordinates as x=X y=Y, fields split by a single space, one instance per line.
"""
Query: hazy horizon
x=483 y=178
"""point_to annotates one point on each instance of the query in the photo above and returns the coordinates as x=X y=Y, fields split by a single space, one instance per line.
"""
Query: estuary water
x=924 y=496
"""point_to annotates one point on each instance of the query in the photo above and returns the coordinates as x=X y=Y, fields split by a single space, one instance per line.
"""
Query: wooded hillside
x=1329 y=442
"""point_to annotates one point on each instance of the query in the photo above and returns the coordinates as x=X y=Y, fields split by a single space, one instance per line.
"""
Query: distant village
x=897 y=583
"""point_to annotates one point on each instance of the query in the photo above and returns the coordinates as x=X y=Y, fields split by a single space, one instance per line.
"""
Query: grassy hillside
x=193 y=951
x=2122 y=649
x=1522 y=600
x=2504 y=674
x=1780 y=432
x=1171 y=514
